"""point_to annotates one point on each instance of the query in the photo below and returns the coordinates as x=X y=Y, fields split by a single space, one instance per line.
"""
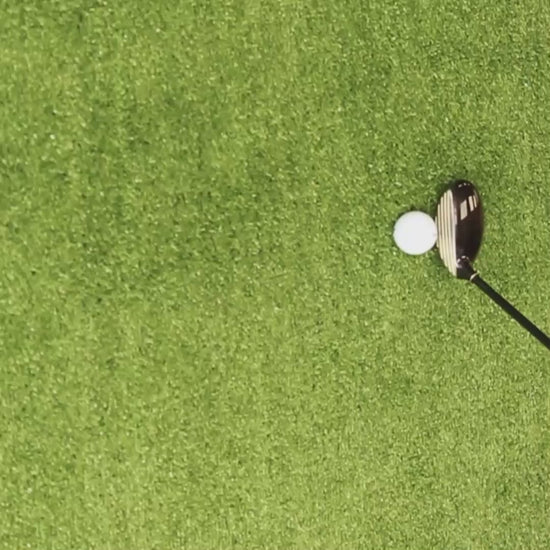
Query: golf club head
x=459 y=228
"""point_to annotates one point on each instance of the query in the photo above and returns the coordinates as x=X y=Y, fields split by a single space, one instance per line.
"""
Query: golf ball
x=415 y=232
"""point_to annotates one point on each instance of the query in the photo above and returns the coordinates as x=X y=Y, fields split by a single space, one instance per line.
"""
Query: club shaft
x=512 y=311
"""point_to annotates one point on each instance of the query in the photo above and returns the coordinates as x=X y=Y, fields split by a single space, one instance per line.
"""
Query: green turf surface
x=207 y=337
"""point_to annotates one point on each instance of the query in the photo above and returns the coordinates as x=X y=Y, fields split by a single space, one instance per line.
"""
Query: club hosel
x=466 y=269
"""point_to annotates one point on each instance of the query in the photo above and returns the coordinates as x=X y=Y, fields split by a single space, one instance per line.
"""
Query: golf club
x=460 y=231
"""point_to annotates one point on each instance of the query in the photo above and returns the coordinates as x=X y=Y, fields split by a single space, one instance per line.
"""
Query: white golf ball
x=415 y=232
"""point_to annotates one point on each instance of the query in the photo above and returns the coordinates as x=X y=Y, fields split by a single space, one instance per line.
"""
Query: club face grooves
x=459 y=227
x=446 y=222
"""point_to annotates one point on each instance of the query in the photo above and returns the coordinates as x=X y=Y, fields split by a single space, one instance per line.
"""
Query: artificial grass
x=207 y=336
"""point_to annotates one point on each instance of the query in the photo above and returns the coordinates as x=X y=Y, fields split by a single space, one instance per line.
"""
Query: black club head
x=459 y=228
